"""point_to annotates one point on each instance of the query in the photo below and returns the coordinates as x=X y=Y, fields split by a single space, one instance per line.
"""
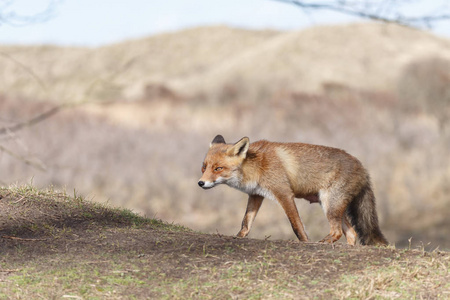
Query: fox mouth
x=207 y=187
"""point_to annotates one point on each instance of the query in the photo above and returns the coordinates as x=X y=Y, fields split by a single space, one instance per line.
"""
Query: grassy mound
x=26 y=210
x=57 y=246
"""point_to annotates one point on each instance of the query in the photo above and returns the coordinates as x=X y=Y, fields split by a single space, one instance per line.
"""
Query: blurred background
x=119 y=102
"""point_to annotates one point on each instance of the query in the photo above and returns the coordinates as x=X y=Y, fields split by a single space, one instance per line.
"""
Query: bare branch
x=28 y=70
x=32 y=121
x=387 y=11
x=9 y=130
x=37 y=164
x=40 y=117
x=10 y=16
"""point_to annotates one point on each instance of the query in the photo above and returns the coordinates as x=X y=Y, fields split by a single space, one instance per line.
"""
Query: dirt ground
x=55 y=246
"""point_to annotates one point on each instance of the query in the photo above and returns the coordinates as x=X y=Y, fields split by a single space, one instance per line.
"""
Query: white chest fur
x=251 y=188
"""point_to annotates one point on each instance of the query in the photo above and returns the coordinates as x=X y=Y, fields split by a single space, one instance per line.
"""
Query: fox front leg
x=253 y=205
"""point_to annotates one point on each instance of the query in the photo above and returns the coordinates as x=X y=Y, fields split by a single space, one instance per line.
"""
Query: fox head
x=223 y=162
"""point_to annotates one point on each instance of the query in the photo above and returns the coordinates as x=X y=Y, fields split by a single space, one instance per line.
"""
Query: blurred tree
x=9 y=13
x=414 y=13
x=424 y=86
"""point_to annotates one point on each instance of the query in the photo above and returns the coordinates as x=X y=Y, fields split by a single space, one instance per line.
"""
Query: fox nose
x=201 y=183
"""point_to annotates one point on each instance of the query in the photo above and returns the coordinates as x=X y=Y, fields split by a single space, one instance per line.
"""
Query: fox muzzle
x=206 y=184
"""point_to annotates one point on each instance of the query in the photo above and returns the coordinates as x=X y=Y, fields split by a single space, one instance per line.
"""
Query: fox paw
x=329 y=239
x=241 y=234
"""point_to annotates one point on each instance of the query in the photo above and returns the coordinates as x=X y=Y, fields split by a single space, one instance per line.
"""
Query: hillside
x=120 y=71
x=56 y=246
x=214 y=62
x=363 y=56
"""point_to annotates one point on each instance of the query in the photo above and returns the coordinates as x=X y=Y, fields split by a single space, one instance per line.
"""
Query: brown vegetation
x=425 y=87
x=213 y=62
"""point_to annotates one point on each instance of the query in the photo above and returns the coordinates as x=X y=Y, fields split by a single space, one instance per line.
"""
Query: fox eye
x=218 y=169
x=203 y=168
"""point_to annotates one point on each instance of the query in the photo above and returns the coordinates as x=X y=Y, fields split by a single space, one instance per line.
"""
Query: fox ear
x=217 y=140
x=240 y=148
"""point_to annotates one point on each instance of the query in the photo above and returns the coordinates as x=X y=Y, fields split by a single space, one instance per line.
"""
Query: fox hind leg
x=349 y=231
x=334 y=209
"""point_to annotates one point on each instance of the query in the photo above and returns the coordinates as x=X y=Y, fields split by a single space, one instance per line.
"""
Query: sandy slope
x=209 y=60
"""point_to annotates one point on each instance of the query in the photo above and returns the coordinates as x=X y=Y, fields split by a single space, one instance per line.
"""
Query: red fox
x=284 y=171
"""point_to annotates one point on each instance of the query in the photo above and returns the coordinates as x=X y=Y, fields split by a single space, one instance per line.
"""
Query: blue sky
x=99 y=22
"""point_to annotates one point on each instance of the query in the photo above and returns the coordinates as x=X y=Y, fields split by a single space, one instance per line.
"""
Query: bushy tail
x=364 y=218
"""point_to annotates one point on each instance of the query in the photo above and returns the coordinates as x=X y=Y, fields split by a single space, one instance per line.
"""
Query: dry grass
x=399 y=279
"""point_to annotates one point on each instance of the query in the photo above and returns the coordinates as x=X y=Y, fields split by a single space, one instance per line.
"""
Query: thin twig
x=345 y=9
x=21 y=239
x=38 y=165
x=15 y=202
x=11 y=17
x=9 y=270
x=28 y=70
x=32 y=121
x=4 y=196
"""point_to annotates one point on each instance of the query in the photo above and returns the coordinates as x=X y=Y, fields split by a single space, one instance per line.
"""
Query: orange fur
x=284 y=171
